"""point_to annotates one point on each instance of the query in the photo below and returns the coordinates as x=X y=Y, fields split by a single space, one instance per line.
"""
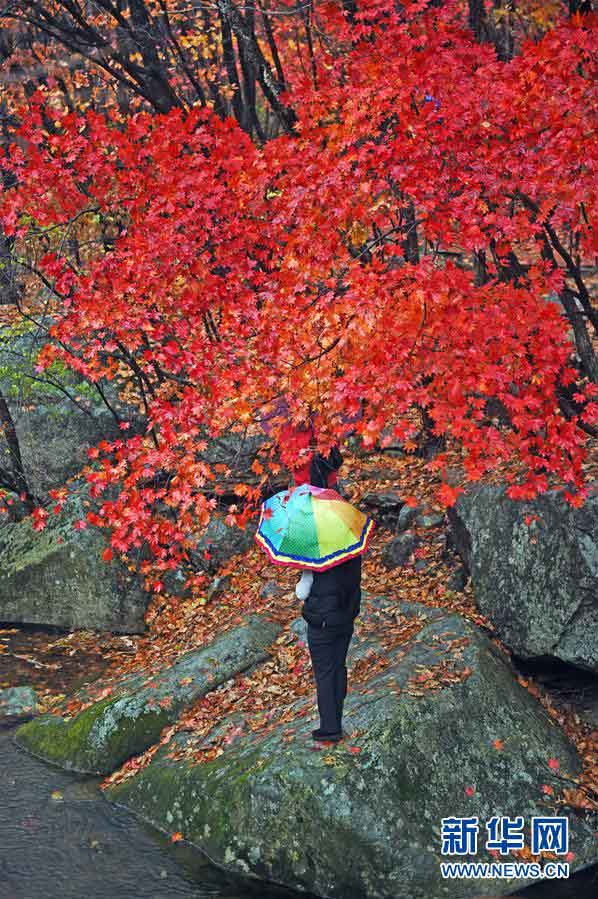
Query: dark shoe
x=324 y=737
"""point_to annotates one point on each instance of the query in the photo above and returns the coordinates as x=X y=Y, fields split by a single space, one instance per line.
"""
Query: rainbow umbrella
x=312 y=527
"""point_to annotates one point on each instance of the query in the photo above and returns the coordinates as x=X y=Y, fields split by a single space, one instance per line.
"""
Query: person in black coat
x=323 y=469
x=332 y=601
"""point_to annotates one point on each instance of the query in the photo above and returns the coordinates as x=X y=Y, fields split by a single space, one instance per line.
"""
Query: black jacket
x=321 y=466
x=335 y=596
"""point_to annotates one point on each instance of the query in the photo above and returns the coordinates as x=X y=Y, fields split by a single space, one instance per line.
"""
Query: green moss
x=259 y=765
x=71 y=743
x=23 y=547
x=58 y=740
x=198 y=790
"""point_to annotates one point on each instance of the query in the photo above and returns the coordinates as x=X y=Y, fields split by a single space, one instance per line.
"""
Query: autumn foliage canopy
x=412 y=238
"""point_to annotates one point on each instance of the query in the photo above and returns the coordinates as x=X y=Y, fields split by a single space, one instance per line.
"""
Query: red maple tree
x=415 y=238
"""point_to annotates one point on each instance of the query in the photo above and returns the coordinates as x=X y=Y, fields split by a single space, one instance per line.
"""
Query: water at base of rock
x=59 y=839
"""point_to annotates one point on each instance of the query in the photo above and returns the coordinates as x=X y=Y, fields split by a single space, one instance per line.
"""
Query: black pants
x=328 y=649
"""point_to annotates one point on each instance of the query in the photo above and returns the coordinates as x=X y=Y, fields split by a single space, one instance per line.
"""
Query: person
x=323 y=470
x=314 y=469
x=331 y=602
x=317 y=470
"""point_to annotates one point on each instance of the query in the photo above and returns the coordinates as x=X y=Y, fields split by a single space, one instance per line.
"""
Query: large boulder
x=129 y=720
x=215 y=546
x=57 y=576
x=443 y=729
x=534 y=569
x=221 y=542
x=54 y=436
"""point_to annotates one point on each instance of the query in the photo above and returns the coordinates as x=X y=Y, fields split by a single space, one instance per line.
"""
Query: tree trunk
x=580 y=6
x=488 y=30
x=14 y=478
x=410 y=242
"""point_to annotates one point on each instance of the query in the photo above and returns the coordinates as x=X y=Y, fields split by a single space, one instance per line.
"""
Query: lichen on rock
x=534 y=570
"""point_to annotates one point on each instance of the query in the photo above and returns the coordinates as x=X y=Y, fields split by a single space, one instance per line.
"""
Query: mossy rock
x=363 y=818
x=57 y=576
x=124 y=724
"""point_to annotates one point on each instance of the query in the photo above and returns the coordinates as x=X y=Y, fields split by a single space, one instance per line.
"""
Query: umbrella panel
x=312 y=526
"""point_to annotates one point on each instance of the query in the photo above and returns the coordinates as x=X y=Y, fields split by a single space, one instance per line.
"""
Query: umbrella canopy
x=312 y=527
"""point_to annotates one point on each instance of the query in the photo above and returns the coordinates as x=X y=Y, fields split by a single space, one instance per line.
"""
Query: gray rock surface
x=57 y=576
x=407 y=516
x=385 y=502
x=384 y=507
x=362 y=819
x=398 y=551
x=536 y=580
x=429 y=520
x=221 y=541
x=18 y=702
x=105 y=734
x=458 y=579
